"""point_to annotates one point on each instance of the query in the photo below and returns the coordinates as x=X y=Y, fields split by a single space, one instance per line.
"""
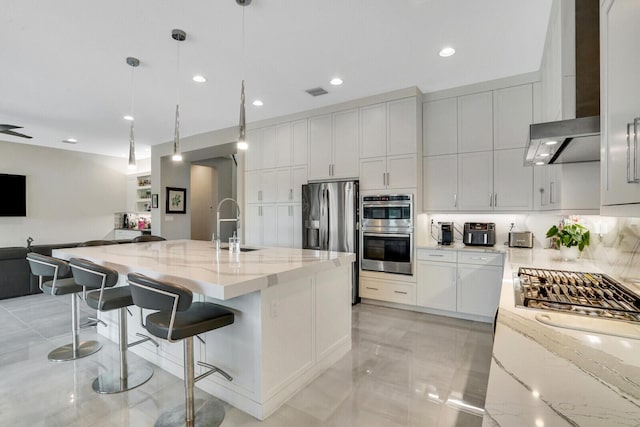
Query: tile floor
x=405 y=369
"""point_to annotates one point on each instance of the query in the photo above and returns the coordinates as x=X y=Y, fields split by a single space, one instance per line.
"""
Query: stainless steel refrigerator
x=330 y=220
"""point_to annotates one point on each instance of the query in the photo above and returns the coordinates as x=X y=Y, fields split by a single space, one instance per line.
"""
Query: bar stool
x=46 y=266
x=178 y=319
x=105 y=297
x=147 y=238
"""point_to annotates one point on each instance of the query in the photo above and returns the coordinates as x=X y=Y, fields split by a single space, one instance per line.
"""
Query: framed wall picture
x=154 y=201
x=176 y=200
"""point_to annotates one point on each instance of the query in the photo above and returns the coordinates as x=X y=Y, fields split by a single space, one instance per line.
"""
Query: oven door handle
x=364 y=233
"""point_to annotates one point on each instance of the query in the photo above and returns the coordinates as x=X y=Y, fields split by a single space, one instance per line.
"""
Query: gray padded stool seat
x=48 y=267
x=104 y=297
x=179 y=318
x=147 y=238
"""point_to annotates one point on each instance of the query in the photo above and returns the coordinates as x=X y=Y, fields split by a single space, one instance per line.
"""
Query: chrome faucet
x=218 y=220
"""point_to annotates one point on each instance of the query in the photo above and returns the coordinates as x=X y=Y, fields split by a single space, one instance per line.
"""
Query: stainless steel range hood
x=564 y=141
x=575 y=140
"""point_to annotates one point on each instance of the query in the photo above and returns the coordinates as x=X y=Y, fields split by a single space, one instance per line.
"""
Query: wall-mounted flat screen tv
x=13 y=195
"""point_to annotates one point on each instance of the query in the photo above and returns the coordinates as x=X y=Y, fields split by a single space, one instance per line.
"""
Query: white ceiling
x=64 y=72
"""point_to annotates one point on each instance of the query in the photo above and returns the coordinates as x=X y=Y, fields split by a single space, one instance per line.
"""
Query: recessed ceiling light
x=539 y=163
x=336 y=81
x=199 y=79
x=447 y=51
x=544 y=154
x=70 y=141
x=551 y=142
x=128 y=117
x=258 y=103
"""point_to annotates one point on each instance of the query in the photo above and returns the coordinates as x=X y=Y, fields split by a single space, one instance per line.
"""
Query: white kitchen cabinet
x=289 y=183
x=260 y=228
x=440 y=183
x=253 y=161
x=620 y=102
x=437 y=285
x=261 y=153
x=291 y=143
x=475 y=122
x=260 y=186
x=283 y=145
x=478 y=289
x=373 y=131
x=299 y=142
x=393 y=172
x=440 y=127
x=475 y=181
x=512 y=115
x=333 y=146
x=386 y=290
x=345 y=144
x=389 y=129
x=402 y=132
x=289 y=225
x=512 y=181
x=463 y=281
x=547 y=187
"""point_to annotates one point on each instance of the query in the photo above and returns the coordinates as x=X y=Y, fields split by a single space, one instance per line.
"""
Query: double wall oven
x=386 y=239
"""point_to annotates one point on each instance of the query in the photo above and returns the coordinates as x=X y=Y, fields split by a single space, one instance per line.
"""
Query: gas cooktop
x=588 y=294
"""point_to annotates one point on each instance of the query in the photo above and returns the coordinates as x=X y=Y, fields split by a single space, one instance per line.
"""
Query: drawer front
x=437 y=255
x=480 y=258
x=401 y=293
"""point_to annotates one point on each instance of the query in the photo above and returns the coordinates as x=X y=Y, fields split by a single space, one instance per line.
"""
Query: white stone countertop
x=581 y=371
x=196 y=264
x=461 y=247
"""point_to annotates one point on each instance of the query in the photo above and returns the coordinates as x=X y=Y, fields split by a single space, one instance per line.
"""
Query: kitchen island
x=554 y=369
x=292 y=313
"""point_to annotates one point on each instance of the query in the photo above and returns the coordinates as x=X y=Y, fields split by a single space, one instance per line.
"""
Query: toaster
x=520 y=239
x=479 y=234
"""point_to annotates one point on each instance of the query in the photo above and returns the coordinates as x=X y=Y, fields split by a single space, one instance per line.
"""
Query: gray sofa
x=15 y=277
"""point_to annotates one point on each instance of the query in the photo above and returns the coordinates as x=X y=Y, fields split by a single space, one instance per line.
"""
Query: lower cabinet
x=478 y=289
x=289 y=225
x=466 y=281
x=384 y=290
x=437 y=285
x=260 y=229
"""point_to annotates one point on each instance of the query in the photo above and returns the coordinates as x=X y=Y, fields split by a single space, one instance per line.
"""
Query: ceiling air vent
x=316 y=91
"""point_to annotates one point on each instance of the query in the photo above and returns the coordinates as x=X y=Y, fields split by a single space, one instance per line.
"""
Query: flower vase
x=569 y=253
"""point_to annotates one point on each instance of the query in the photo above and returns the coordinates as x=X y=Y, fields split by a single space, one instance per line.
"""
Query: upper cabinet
x=388 y=145
x=512 y=115
x=262 y=151
x=475 y=122
x=333 y=146
x=473 y=147
x=291 y=143
x=440 y=127
x=620 y=104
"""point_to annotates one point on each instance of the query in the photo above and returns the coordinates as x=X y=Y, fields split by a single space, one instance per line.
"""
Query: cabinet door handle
x=384 y=179
x=329 y=169
x=490 y=200
x=455 y=200
x=373 y=289
x=436 y=255
x=291 y=194
x=400 y=292
x=495 y=200
x=629 y=180
x=552 y=192
x=483 y=258
x=388 y=179
x=636 y=179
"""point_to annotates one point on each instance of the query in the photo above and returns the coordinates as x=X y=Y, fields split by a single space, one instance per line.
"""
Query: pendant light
x=133 y=62
x=178 y=36
x=242 y=143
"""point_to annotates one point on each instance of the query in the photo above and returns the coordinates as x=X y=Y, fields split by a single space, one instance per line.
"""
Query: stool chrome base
x=209 y=413
x=110 y=382
x=66 y=352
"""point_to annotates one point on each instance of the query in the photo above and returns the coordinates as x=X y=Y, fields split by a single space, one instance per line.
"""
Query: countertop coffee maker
x=445 y=233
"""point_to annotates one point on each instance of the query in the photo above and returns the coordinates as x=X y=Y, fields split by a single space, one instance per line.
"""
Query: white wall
x=71 y=196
